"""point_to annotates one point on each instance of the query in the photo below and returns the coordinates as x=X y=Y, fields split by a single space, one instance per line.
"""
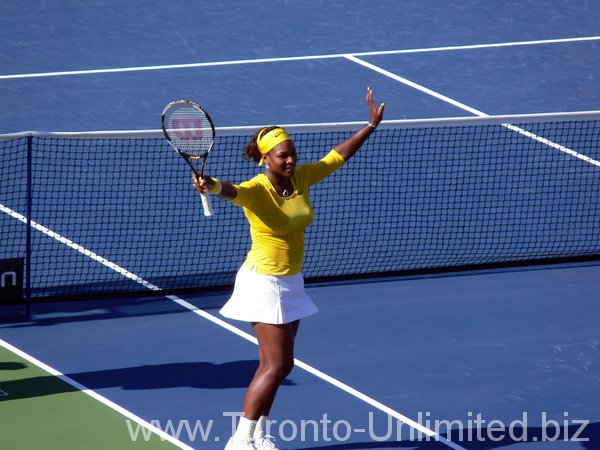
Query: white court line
x=416 y=86
x=300 y=58
x=94 y=395
x=69 y=243
x=551 y=144
x=217 y=321
x=470 y=109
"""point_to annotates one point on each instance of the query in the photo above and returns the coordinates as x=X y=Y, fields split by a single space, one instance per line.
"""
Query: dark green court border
x=40 y=411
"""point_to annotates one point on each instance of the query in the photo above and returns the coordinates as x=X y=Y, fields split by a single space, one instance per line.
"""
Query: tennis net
x=117 y=212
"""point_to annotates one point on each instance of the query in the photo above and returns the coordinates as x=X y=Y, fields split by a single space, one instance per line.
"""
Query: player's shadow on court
x=578 y=435
x=196 y=375
x=199 y=375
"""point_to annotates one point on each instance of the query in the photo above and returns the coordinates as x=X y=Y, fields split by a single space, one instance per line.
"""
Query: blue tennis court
x=430 y=359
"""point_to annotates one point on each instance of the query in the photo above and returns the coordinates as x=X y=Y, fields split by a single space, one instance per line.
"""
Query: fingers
x=376 y=114
x=370 y=97
x=371 y=103
x=200 y=184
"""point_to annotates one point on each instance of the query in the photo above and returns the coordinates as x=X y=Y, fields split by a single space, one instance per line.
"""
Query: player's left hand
x=376 y=114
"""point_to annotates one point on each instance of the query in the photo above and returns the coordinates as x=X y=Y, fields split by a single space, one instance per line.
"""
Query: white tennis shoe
x=263 y=441
x=241 y=445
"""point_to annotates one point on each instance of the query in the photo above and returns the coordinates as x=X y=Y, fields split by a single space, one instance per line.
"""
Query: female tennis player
x=269 y=288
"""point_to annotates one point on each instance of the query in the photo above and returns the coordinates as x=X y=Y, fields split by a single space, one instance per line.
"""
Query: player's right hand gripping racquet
x=190 y=130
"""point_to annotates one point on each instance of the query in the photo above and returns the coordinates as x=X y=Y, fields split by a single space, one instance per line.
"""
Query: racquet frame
x=186 y=156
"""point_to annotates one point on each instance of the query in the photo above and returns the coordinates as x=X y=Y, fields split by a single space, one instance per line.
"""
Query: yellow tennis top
x=277 y=223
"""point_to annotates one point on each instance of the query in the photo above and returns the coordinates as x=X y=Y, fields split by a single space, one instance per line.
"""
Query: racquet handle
x=208 y=211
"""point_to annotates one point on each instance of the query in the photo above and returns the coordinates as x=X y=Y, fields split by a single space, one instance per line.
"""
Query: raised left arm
x=351 y=145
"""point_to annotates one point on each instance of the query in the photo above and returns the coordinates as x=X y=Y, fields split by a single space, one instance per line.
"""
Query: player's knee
x=281 y=369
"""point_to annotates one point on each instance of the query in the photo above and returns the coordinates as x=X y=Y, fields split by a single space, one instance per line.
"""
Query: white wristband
x=217 y=188
x=370 y=125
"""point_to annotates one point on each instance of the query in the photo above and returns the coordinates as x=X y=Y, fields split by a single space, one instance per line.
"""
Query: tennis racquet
x=191 y=132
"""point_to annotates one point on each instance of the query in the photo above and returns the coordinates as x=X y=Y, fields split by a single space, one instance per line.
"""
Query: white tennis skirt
x=268 y=298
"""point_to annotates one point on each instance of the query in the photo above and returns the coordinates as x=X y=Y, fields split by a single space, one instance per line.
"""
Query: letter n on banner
x=11 y=279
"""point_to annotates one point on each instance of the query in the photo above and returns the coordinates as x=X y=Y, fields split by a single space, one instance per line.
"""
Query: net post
x=29 y=207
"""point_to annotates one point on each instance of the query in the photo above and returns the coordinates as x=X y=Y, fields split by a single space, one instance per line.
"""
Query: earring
x=267 y=166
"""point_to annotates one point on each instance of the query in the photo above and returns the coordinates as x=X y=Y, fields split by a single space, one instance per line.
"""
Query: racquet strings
x=190 y=130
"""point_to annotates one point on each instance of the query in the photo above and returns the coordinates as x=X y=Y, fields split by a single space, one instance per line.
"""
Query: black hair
x=251 y=150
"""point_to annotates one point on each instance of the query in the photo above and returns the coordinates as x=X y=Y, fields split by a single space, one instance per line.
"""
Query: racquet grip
x=208 y=211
